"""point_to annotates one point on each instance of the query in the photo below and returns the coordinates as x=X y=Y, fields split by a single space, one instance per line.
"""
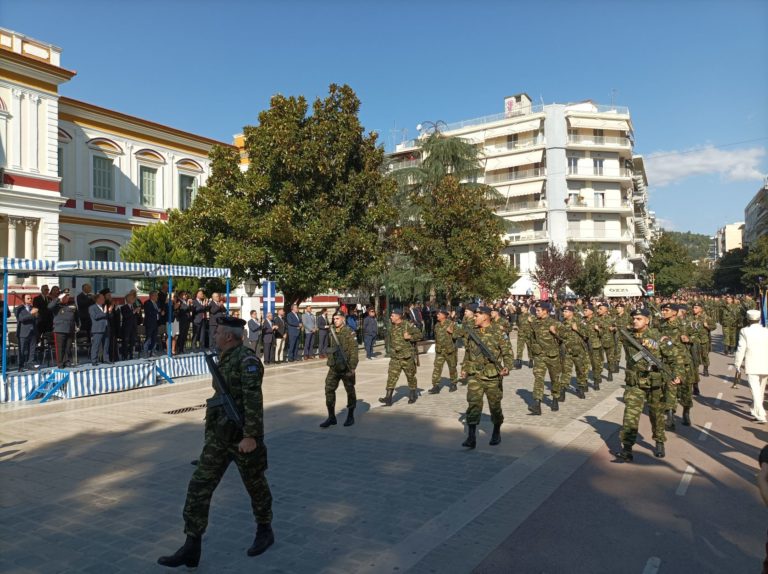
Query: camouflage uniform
x=337 y=370
x=644 y=384
x=524 y=335
x=730 y=319
x=546 y=356
x=670 y=336
x=605 y=322
x=482 y=375
x=445 y=351
x=703 y=326
x=401 y=354
x=243 y=372
x=576 y=353
x=623 y=321
x=595 y=348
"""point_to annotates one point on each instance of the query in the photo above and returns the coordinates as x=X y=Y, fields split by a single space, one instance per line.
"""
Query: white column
x=33 y=131
x=29 y=245
x=3 y=140
x=15 y=150
x=12 y=221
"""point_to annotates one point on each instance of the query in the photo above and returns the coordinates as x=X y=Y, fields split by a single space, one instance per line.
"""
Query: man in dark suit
x=414 y=316
x=370 y=331
x=44 y=316
x=293 y=322
x=65 y=321
x=323 y=326
x=268 y=330
x=217 y=311
x=151 y=321
x=84 y=301
x=99 y=330
x=26 y=331
x=184 y=317
x=130 y=317
x=254 y=331
x=280 y=336
x=200 y=309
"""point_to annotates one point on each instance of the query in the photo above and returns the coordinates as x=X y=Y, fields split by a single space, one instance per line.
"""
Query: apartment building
x=756 y=216
x=569 y=178
x=727 y=238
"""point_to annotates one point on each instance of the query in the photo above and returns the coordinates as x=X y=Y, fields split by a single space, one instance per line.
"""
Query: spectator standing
x=84 y=302
x=184 y=316
x=130 y=317
x=415 y=317
x=254 y=332
x=309 y=323
x=99 y=330
x=216 y=312
x=293 y=322
x=26 y=331
x=370 y=330
x=323 y=328
x=268 y=334
x=279 y=330
x=44 y=316
x=200 y=307
x=66 y=319
x=151 y=321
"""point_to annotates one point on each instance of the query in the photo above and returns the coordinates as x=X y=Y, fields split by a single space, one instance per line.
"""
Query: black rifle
x=337 y=352
x=642 y=353
x=486 y=352
x=224 y=399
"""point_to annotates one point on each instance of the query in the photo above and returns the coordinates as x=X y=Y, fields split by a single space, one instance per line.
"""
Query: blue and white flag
x=268 y=293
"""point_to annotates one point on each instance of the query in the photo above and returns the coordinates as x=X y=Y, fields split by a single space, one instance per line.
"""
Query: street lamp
x=249 y=285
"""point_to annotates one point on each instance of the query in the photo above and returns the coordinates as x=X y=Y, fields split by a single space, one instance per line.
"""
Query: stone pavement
x=97 y=484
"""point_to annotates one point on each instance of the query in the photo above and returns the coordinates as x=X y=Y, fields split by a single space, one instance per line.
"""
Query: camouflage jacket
x=243 y=373
x=730 y=315
x=475 y=363
x=574 y=341
x=592 y=335
x=640 y=370
x=605 y=322
x=544 y=342
x=443 y=339
x=701 y=325
x=524 y=326
x=671 y=330
x=502 y=324
x=400 y=348
x=623 y=320
x=348 y=344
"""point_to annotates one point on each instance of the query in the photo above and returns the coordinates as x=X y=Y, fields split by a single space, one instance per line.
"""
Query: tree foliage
x=696 y=244
x=594 y=274
x=308 y=211
x=729 y=269
x=703 y=277
x=756 y=264
x=671 y=265
x=556 y=268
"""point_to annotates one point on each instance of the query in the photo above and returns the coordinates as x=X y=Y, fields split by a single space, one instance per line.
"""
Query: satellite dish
x=418 y=127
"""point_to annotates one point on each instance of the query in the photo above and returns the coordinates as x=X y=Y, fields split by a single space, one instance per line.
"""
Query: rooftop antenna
x=613 y=96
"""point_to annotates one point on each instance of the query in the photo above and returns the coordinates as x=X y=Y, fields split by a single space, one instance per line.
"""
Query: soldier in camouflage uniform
x=242 y=371
x=342 y=362
x=524 y=322
x=546 y=356
x=703 y=326
x=671 y=335
x=730 y=319
x=594 y=345
x=645 y=384
x=445 y=352
x=401 y=351
x=484 y=376
x=570 y=332
x=607 y=328
x=621 y=320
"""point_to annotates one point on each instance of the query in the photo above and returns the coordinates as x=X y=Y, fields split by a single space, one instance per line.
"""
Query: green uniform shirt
x=443 y=339
x=475 y=363
x=243 y=373
x=543 y=341
x=348 y=344
x=399 y=347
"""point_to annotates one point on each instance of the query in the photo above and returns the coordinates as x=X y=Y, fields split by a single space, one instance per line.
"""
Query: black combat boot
x=616 y=368
x=496 y=436
x=561 y=398
x=659 y=450
x=696 y=390
x=706 y=371
x=580 y=393
x=530 y=363
x=610 y=375
x=453 y=388
x=670 y=424
x=596 y=384
x=350 y=417
x=535 y=407
x=687 y=416
x=188 y=555
x=625 y=454
x=555 y=404
x=331 y=420
x=518 y=363
x=265 y=538
x=386 y=400
x=412 y=396
x=471 y=441
x=434 y=390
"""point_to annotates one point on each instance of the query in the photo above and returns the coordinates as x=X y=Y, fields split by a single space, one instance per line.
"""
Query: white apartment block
x=756 y=216
x=569 y=178
x=728 y=237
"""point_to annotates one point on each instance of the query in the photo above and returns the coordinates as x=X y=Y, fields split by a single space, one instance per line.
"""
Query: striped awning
x=127 y=269
x=32 y=266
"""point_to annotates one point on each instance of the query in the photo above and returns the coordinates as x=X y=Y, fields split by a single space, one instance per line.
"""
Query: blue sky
x=694 y=73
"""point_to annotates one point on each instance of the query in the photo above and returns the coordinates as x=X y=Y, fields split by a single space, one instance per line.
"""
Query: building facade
x=569 y=178
x=756 y=216
x=727 y=238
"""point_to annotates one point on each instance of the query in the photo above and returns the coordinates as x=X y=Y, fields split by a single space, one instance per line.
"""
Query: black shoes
x=453 y=388
x=555 y=404
x=530 y=363
x=412 y=396
x=659 y=450
x=706 y=371
x=434 y=390
x=518 y=364
x=471 y=441
x=535 y=408
x=265 y=538
x=188 y=555
x=610 y=375
x=496 y=436
x=350 y=417
x=580 y=393
x=386 y=400
x=331 y=420
x=625 y=454
x=670 y=424
x=562 y=396
x=696 y=390
x=687 y=416
x=596 y=385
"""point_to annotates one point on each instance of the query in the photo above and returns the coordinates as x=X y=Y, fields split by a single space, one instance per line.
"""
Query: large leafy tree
x=755 y=269
x=556 y=268
x=594 y=274
x=671 y=264
x=309 y=210
x=729 y=269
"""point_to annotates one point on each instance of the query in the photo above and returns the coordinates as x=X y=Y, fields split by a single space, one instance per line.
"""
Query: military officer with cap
x=445 y=352
x=644 y=384
x=594 y=345
x=243 y=372
x=546 y=356
x=671 y=336
x=401 y=335
x=484 y=375
x=342 y=362
x=573 y=333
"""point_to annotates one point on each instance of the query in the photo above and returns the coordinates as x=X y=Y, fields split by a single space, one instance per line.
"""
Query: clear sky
x=694 y=73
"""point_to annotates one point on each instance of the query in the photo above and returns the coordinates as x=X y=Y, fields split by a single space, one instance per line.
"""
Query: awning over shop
x=518 y=128
x=514 y=160
x=622 y=290
x=599 y=123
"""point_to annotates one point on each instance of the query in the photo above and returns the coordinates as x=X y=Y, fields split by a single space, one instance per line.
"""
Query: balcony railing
x=527 y=236
x=514 y=176
x=600 y=172
x=624 y=204
x=519 y=144
x=511 y=208
x=395 y=165
x=621 y=141
x=605 y=236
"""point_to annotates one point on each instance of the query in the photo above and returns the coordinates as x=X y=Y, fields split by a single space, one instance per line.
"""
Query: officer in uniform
x=65 y=320
x=243 y=372
x=703 y=326
x=621 y=320
x=402 y=334
x=546 y=356
x=644 y=384
x=445 y=352
x=524 y=322
x=594 y=345
x=671 y=336
x=572 y=332
x=484 y=377
x=341 y=369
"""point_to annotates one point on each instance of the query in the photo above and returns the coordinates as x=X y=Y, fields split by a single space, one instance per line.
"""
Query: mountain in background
x=697 y=244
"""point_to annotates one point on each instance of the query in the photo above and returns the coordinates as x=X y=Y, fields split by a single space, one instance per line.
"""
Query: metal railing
x=519 y=144
x=622 y=141
x=403 y=164
x=514 y=176
x=600 y=171
x=624 y=204
x=527 y=236
x=605 y=236
x=514 y=207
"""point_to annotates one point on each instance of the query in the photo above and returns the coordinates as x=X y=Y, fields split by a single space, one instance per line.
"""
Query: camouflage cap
x=231 y=322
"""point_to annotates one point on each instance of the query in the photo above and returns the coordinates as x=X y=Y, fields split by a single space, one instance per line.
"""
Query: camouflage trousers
x=396 y=366
x=581 y=363
x=440 y=360
x=493 y=390
x=541 y=365
x=705 y=354
x=681 y=394
x=635 y=398
x=596 y=361
x=522 y=343
x=729 y=336
x=332 y=383
x=214 y=460
x=610 y=354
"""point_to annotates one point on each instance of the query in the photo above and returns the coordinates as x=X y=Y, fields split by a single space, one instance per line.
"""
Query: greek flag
x=268 y=293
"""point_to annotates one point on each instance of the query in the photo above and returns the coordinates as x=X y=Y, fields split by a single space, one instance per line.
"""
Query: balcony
x=505 y=147
x=623 y=205
x=600 y=236
x=491 y=178
x=599 y=141
x=527 y=236
x=514 y=208
x=403 y=164
x=605 y=172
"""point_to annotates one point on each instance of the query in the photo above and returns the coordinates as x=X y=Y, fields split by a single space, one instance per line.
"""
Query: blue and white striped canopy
x=125 y=269
x=32 y=266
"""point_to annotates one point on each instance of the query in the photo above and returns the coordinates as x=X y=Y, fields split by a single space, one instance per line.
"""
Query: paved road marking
x=705 y=432
x=685 y=481
x=652 y=566
x=717 y=400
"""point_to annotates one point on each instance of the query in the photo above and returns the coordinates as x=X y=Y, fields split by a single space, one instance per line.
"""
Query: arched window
x=102 y=252
x=150 y=177
x=103 y=154
x=189 y=178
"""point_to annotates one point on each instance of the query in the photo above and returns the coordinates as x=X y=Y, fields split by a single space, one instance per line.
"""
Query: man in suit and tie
x=26 y=331
x=254 y=331
x=84 y=301
x=279 y=322
x=217 y=310
x=268 y=331
x=183 y=314
x=199 y=320
x=293 y=322
x=753 y=344
x=151 y=321
x=130 y=317
x=44 y=316
x=323 y=328
x=309 y=323
x=99 y=329
x=414 y=315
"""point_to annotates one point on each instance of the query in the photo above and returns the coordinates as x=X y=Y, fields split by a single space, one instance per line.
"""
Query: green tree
x=594 y=274
x=556 y=268
x=697 y=244
x=755 y=269
x=729 y=269
x=309 y=210
x=671 y=265
x=703 y=277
